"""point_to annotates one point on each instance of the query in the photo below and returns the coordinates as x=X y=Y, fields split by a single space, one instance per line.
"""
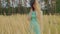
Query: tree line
x=12 y=6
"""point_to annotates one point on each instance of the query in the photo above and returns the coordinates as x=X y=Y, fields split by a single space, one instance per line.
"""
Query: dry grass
x=19 y=24
x=51 y=22
x=13 y=24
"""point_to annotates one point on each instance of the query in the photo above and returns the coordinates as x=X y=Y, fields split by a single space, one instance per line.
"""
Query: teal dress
x=34 y=23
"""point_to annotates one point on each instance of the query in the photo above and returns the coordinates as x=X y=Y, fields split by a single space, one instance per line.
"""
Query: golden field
x=19 y=24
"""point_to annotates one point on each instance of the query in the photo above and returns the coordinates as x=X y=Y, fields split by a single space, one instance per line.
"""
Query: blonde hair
x=39 y=15
x=37 y=9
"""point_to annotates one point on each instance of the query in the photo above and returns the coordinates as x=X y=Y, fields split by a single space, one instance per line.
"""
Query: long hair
x=37 y=8
x=32 y=2
x=39 y=14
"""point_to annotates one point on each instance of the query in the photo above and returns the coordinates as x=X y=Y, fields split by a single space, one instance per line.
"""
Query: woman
x=34 y=25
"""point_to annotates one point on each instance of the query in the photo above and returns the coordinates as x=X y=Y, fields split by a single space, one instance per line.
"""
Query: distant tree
x=58 y=6
x=0 y=7
x=19 y=6
x=13 y=6
x=3 y=5
x=8 y=6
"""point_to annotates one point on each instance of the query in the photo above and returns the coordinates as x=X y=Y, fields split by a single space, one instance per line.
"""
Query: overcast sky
x=16 y=2
x=12 y=4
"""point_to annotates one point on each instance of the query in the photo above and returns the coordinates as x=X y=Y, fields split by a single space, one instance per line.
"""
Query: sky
x=16 y=2
x=12 y=4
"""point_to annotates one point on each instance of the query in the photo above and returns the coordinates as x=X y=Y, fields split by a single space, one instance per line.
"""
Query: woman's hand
x=29 y=18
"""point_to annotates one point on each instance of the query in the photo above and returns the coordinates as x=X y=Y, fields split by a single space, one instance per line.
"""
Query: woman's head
x=32 y=2
x=35 y=5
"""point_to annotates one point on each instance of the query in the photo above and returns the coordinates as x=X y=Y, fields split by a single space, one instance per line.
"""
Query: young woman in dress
x=34 y=17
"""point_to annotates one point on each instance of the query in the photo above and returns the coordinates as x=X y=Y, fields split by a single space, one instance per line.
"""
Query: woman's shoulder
x=34 y=12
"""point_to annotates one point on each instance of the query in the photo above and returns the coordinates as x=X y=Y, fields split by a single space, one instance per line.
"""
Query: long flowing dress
x=34 y=23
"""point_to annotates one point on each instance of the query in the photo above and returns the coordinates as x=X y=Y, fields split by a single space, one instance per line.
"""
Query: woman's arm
x=29 y=15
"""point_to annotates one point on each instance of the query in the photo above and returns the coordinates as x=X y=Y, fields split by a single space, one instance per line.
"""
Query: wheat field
x=19 y=24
